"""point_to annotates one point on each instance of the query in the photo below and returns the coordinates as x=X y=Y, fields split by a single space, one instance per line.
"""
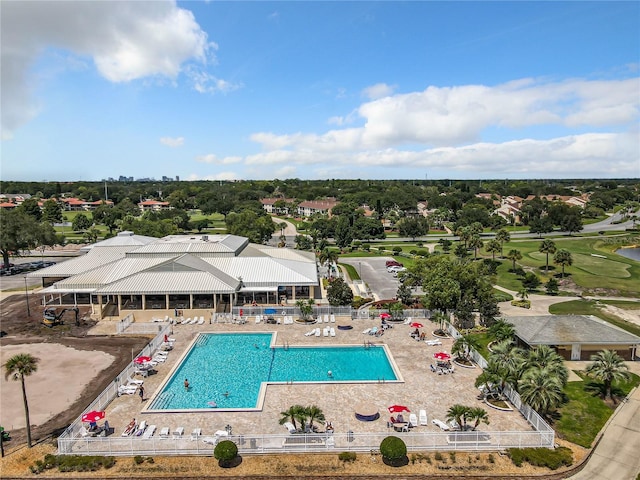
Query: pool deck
x=422 y=389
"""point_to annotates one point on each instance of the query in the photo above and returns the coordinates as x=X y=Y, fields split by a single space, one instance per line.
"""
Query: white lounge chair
x=443 y=426
x=178 y=432
x=164 y=432
x=325 y=332
x=134 y=381
x=423 y=417
x=332 y=332
x=258 y=318
x=127 y=390
x=310 y=332
x=332 y=318
x=289 y=426
x=196 y=433
x=317 y=332
x=326 y=318
x=151 y=429
x=366 y=331
x=130 y=428
x=141 y=429
x=413 y=420
x=201 y=321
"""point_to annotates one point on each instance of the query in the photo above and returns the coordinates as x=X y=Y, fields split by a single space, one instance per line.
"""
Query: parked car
x=395 y=268
x=393 y=263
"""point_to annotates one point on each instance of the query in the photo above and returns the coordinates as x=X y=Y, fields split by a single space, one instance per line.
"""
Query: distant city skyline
x=319 y=90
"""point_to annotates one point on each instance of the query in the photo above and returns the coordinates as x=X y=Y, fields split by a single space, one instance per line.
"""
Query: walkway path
x=616 y=454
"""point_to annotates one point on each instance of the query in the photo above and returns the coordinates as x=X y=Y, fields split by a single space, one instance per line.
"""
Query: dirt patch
x=22 y=329
x=421 y=465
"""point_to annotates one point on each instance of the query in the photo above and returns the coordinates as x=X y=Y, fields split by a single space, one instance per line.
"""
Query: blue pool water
x=238 y=364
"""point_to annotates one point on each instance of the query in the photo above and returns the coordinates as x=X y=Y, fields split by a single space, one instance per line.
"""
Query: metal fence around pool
x=187 y=444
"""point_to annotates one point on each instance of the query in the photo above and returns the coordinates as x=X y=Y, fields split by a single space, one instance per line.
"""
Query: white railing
x=69 y=436
x=124 y=323
x=536 y=421
x=301 y=443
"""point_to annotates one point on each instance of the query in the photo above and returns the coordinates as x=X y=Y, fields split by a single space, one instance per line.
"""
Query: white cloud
x=212 y=158
x=217 y=176
x=378 y=90
x=172 y=142
x=594 y=154
x=447 y=116
x=126 y=40
x=204 y=82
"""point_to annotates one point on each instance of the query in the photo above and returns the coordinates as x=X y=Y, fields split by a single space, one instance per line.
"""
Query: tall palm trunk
x=26 y=410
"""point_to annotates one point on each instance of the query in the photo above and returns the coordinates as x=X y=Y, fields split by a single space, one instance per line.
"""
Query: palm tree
x=306 y=308
x=523 y=294
x=20 y=366
x=545 y=357
x=463 y=345
x=459 y=414
x=476 y=243
x=440 y=318
x=314 y=413
x=503 y=237
x=563 y=257
x=292 y=414
x=608 y=367
x=477 y=415
x=328 y=256
x=502 y=330
x=547 y=247
x=541 y=389
x=493 y=247
x=514 y=255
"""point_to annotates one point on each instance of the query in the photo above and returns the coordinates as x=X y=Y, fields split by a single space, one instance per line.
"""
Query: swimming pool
x=229 y=371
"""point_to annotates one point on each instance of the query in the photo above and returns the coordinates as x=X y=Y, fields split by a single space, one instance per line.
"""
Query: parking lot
x=21 y=267
x=373 y=272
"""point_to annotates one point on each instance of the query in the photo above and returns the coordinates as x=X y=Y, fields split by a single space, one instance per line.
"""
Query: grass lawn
x=593 y=307
x=585 y=413
x=351 y=271
x=590 y=272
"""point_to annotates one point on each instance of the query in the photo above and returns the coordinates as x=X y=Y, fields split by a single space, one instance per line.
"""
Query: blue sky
x=317 y=90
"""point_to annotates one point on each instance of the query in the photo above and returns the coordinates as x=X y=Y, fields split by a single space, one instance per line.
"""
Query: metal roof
x=565 y=329
x=182 y=264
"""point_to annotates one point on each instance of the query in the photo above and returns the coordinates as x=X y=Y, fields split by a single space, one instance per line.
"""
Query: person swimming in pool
x=186 y=384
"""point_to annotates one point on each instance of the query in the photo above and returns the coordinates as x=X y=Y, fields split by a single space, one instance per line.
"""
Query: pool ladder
x=381 y=380
x=202 y=340
x=285 y=345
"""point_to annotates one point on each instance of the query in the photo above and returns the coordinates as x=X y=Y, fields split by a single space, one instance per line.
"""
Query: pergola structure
x=179 y=272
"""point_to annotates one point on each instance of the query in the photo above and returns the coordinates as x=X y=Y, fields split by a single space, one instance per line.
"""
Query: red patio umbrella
x=416 y=325
x=93 y=416
x=142 y=359
x=441 y=356
x=397 y=409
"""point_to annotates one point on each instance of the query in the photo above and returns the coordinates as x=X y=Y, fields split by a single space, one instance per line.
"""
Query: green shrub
x=438 y=456
x=452 y=456
x=541 y=457
x=492 y=459
x=422 y=253
x=138 y=459
x=393 y=448
x=225 y=452
x=347 y=456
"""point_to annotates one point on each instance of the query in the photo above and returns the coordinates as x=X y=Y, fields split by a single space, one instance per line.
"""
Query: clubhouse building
x=129 y=273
